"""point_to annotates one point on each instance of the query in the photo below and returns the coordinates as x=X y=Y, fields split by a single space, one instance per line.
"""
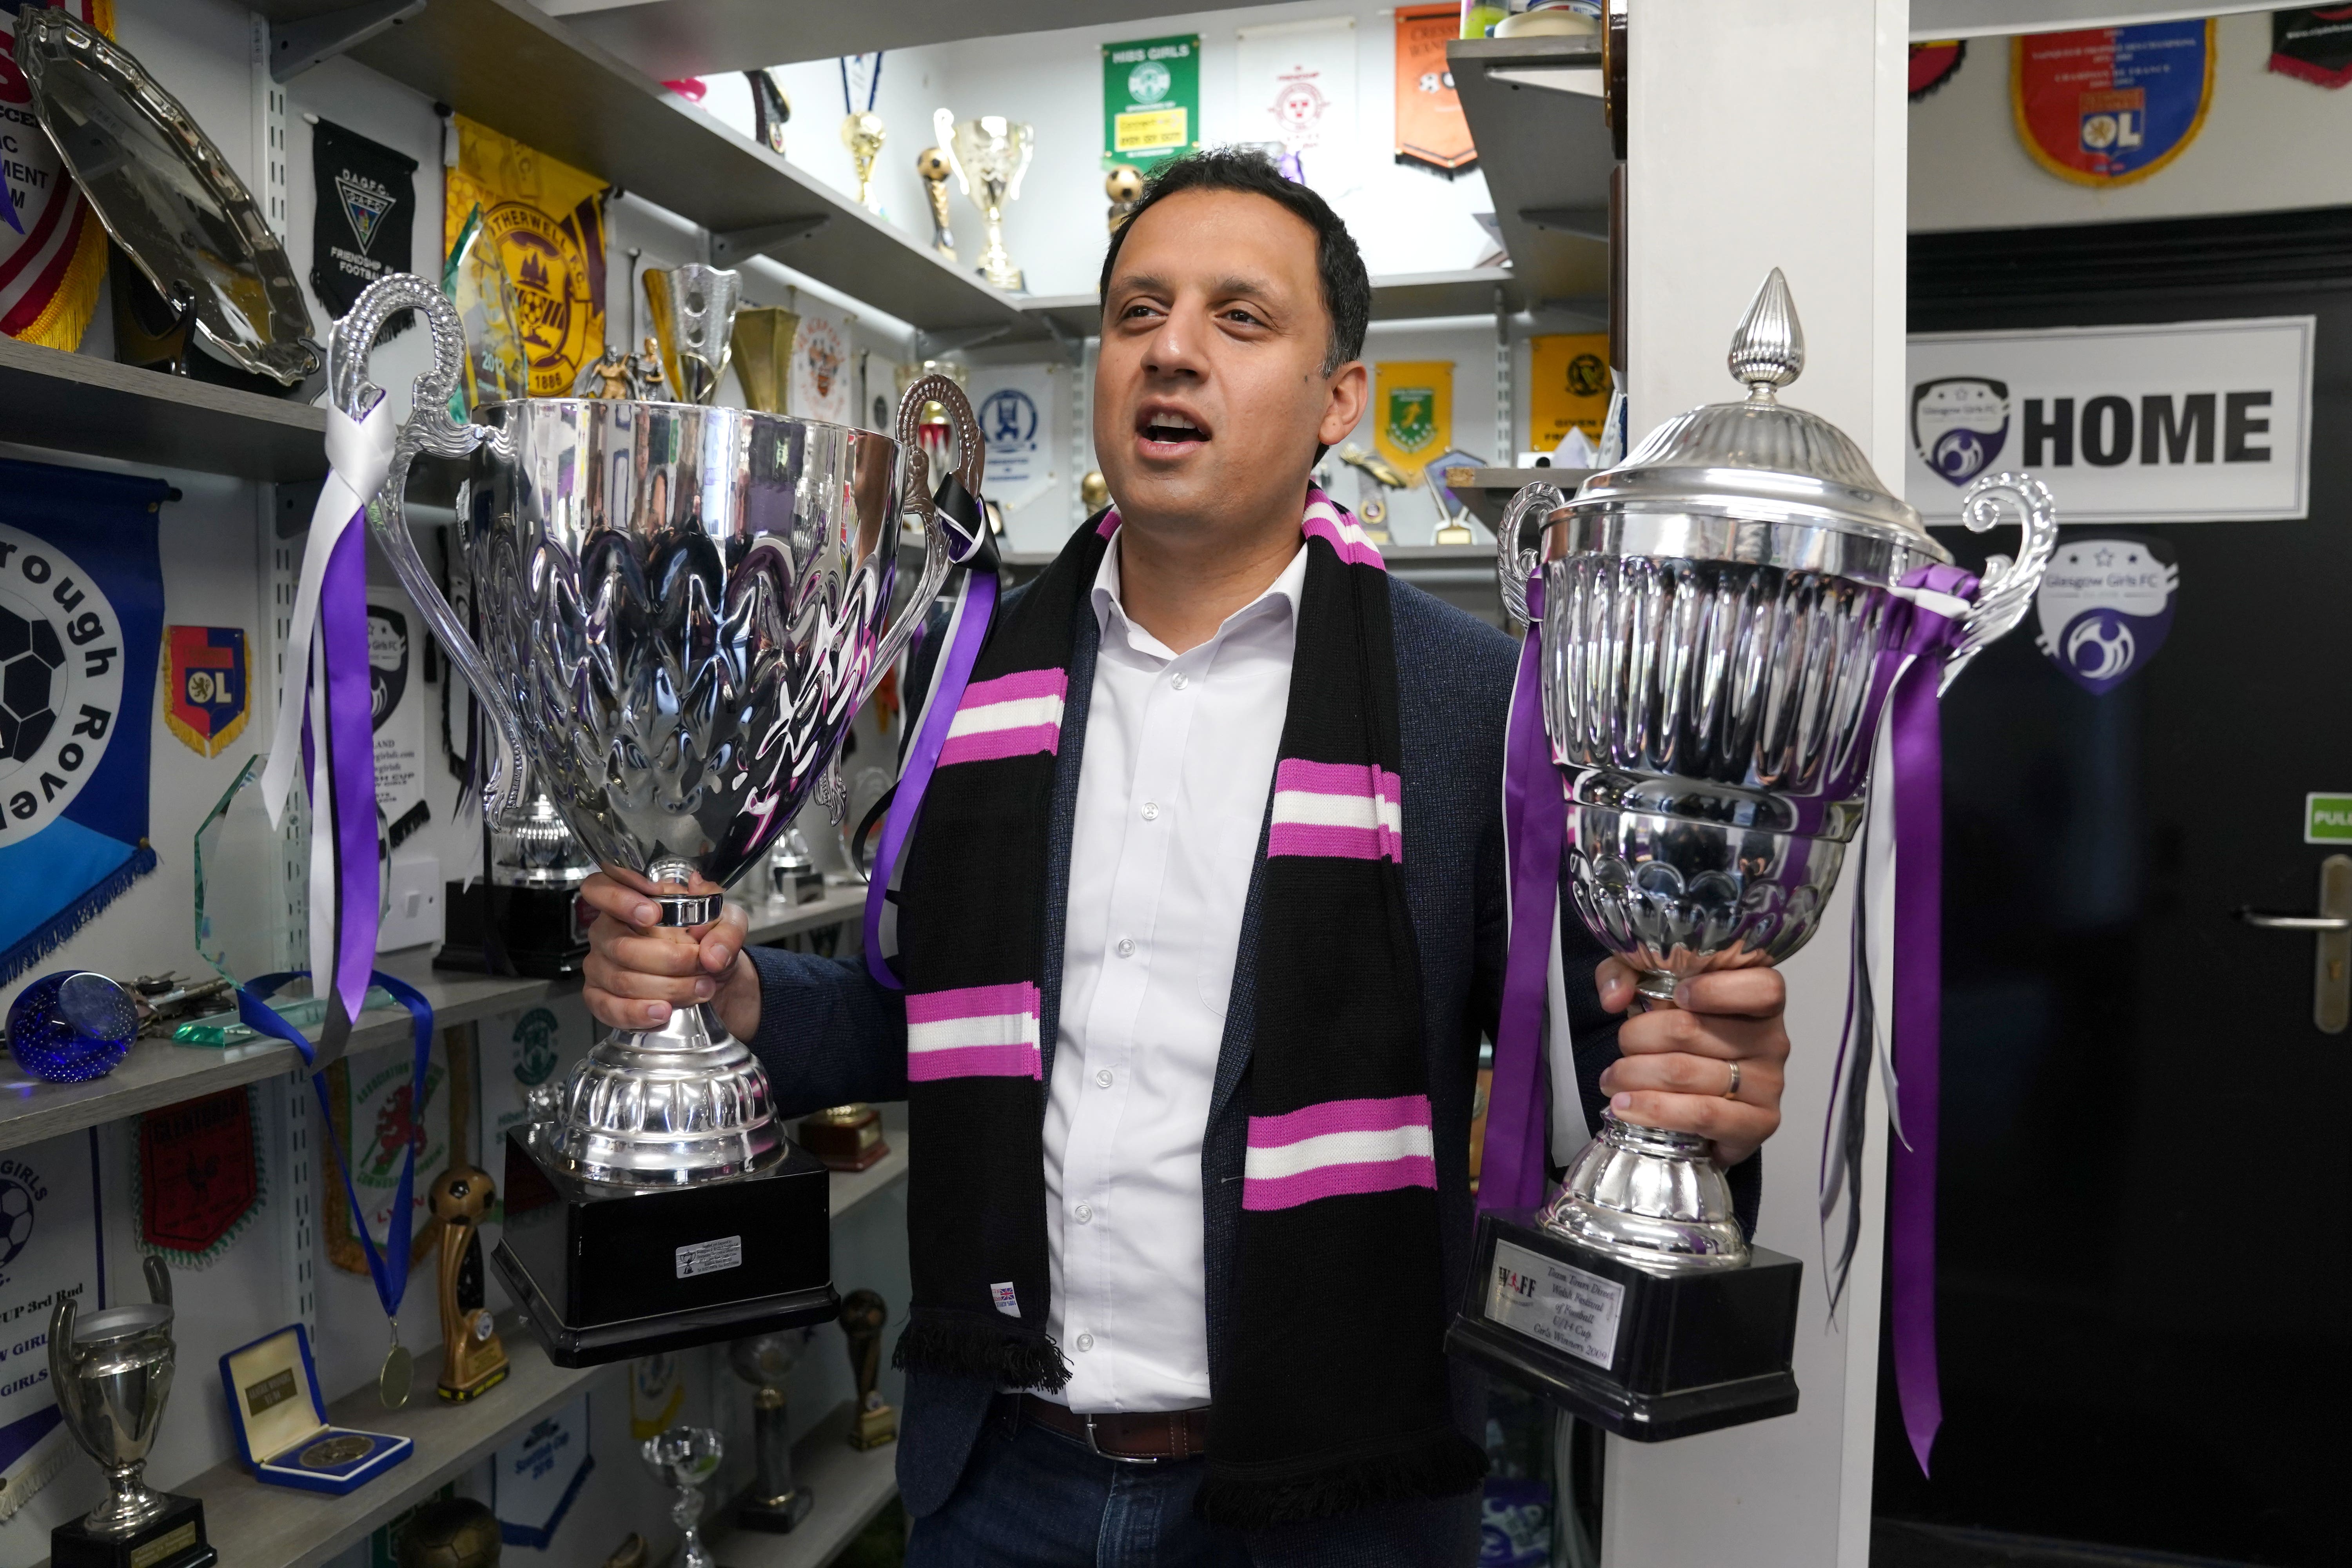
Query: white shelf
x=1547 y=154
x=255 y=1526
x=159 y=1072
x=848 y=1487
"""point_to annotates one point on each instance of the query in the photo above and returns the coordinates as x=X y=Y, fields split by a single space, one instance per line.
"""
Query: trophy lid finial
x=1769 y=348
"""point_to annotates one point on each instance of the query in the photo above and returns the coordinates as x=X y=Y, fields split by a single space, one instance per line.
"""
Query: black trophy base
x=775 y=1516
x=526 y=931
x=174 y=1540
x=1649 y=1356
x=606 y=1273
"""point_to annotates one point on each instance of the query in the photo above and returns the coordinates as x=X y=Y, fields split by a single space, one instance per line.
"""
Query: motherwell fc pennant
x=2107 y=105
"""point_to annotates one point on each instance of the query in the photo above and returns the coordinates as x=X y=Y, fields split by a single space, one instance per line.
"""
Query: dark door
x=2146 y=1157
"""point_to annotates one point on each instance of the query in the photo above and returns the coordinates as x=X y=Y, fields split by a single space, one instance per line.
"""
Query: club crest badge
x=1959 y=425
x=2107 y=105
x=2105 y=607
x=207 y=686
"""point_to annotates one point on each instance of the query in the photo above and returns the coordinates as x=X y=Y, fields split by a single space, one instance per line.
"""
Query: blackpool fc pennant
x=207 y=684
x=547 y=220
x=2313 y=44
x=199 y=1176
x=366 y=213
x=81 y=616
x=2107 y=105
x=1431 y=130
x=50 y=1246
x=1413 y=410
x=52 y=249
x=1933 y=64
x=2105 y=606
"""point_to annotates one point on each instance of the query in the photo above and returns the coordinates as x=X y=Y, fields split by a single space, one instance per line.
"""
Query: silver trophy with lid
x=1714 y=612
x=681 y=607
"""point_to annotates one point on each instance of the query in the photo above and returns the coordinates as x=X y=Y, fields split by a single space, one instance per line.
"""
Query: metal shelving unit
x=159 y=1073
x=516 y=69
x=1535 y=111
x=78 y=403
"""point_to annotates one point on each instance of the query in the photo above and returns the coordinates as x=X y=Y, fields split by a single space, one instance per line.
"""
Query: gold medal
x=334 y=1451
x=399 y=1371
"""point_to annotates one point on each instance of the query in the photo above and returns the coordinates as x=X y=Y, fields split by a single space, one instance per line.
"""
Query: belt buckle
x=1095 y=1448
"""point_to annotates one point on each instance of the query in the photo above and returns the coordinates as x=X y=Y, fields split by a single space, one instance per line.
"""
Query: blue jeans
x=1031 y=1497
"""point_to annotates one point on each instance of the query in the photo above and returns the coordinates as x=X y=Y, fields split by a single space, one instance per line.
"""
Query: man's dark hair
x=1347 y=290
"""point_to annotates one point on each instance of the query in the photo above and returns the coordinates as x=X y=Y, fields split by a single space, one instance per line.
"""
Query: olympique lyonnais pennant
x=82 y=614
x=547 y=220
x=1431 y=132
x=199 y=1176
x=1933 y=64
x=207 y=686
x=52 y=249
x=366 y=213
x=1413 y=410
x=2107 y=105
x=2313 y=44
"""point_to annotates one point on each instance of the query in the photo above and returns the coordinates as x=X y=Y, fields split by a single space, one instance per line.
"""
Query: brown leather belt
x=1136 y=1437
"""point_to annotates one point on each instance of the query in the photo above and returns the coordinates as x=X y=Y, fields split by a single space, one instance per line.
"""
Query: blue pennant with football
x=81 y=614
x=2105 y=606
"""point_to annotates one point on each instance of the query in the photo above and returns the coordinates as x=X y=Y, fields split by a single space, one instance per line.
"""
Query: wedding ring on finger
x=1733 y=1092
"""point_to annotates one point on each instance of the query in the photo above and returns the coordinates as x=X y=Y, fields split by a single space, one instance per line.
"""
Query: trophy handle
x=62 y=1381
x=2009 y=586
x=972 y=454
x=159 y=1280
x=943 y=126
x=427 y=428
x=1025 y=138
x=1513 y=563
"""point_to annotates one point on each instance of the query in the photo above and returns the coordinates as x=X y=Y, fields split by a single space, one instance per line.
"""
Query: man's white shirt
x=1173 y=790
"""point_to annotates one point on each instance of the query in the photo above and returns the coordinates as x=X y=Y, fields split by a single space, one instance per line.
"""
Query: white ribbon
x=359 y=458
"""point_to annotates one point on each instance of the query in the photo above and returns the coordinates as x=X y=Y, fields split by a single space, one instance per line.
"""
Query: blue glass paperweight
x=71 y=1026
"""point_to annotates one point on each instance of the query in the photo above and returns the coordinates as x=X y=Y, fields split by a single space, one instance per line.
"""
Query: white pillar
x=1762 y=136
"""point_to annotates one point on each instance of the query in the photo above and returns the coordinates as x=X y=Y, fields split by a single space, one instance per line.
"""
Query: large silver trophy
x=681 y=608
x=1714 y=612
x=112 y=1372
x=988 y=156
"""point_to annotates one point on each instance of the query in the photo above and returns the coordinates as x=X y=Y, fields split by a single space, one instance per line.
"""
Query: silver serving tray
x=166 y=196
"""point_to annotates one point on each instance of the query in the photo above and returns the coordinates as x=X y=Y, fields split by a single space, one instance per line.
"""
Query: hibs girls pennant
x=2107 y=105
x=81 y=612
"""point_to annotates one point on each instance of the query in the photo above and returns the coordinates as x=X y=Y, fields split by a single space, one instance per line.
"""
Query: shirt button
x=1150 y=811
x=1085 y=1341
x=1102 y=1076
x=1180 y=680
x=1127 y=947
x=1085 y=1212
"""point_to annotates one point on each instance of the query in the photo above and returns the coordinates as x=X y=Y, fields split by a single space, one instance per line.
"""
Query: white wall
x=2269 y=142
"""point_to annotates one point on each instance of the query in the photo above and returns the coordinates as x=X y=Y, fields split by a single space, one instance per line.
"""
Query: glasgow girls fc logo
x=1959 y=424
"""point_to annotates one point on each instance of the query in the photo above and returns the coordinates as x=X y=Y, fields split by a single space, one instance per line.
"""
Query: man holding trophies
x=1197 y=935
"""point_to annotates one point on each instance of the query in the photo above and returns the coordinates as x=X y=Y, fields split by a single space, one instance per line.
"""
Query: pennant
x=1569 y=388
x=379 y=1111
x=821 y=386
x=198 y=1166
x=1297 y=90
x=1933 y=64
x=2109 y=106
x=366 y=213
x=547 y=220
x=2313 y=44
x=52 y=247
x=207 y=686
x=1431 y=132
x=1413 y=410
x=1151 y=101
x=81 y=622
x=50 y=1246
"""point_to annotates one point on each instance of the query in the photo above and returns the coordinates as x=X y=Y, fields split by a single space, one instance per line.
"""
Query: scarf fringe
x=965 y=1344
x=51 y=934
x=1444 y=1465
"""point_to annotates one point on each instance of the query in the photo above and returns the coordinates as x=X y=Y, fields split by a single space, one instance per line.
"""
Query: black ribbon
x=968 y=518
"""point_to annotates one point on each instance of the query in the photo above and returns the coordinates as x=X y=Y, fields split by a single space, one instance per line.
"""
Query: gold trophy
x=473 y=1362
x=763 y=355
x=874 y=1422
x=1375 y=476
x=1094 y=492
x=933 y=166
x=988 y=156
x=1124 y=186
x=863 y=134
x=693 y=307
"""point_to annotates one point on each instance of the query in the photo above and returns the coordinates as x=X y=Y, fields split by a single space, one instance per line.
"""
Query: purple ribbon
x=1916 y=752
x=975 y=608
x=1511 y=1170
x=350 y=771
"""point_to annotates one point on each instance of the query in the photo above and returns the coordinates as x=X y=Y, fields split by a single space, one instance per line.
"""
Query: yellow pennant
x=1571 y=372
x=52 y=247
x=548 y=220
x=1413 y=410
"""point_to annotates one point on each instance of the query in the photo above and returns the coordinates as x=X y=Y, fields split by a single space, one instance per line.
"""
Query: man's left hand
x=1675 y=1063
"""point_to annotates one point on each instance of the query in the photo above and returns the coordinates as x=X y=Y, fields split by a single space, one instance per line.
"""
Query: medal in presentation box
x=1645 y=1353
x=281 y=1420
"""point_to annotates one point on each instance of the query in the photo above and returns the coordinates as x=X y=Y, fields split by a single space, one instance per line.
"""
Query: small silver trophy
x=694 y=325
x=686 y=1457
x=988 y=157
x=773 y=1502
x=112 y=1370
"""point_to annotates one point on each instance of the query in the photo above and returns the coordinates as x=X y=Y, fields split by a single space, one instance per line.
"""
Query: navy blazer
x=828 y=1033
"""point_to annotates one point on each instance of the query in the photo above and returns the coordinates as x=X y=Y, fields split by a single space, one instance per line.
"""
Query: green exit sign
x=2328 y=820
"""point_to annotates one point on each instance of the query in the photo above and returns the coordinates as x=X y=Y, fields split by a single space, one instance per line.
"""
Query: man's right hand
x=637 y=971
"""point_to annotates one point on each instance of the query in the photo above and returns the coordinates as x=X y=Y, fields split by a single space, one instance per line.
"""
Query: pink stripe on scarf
x=1339 y=1116
x=1020 y=685
x=994 y=746
x=1333 y=843
x=974 y=1062
x=972 y=1002
x=1328 y=520
x=1339 y=778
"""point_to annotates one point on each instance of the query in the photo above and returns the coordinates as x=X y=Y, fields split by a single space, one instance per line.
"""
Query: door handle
x=2331 y=974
